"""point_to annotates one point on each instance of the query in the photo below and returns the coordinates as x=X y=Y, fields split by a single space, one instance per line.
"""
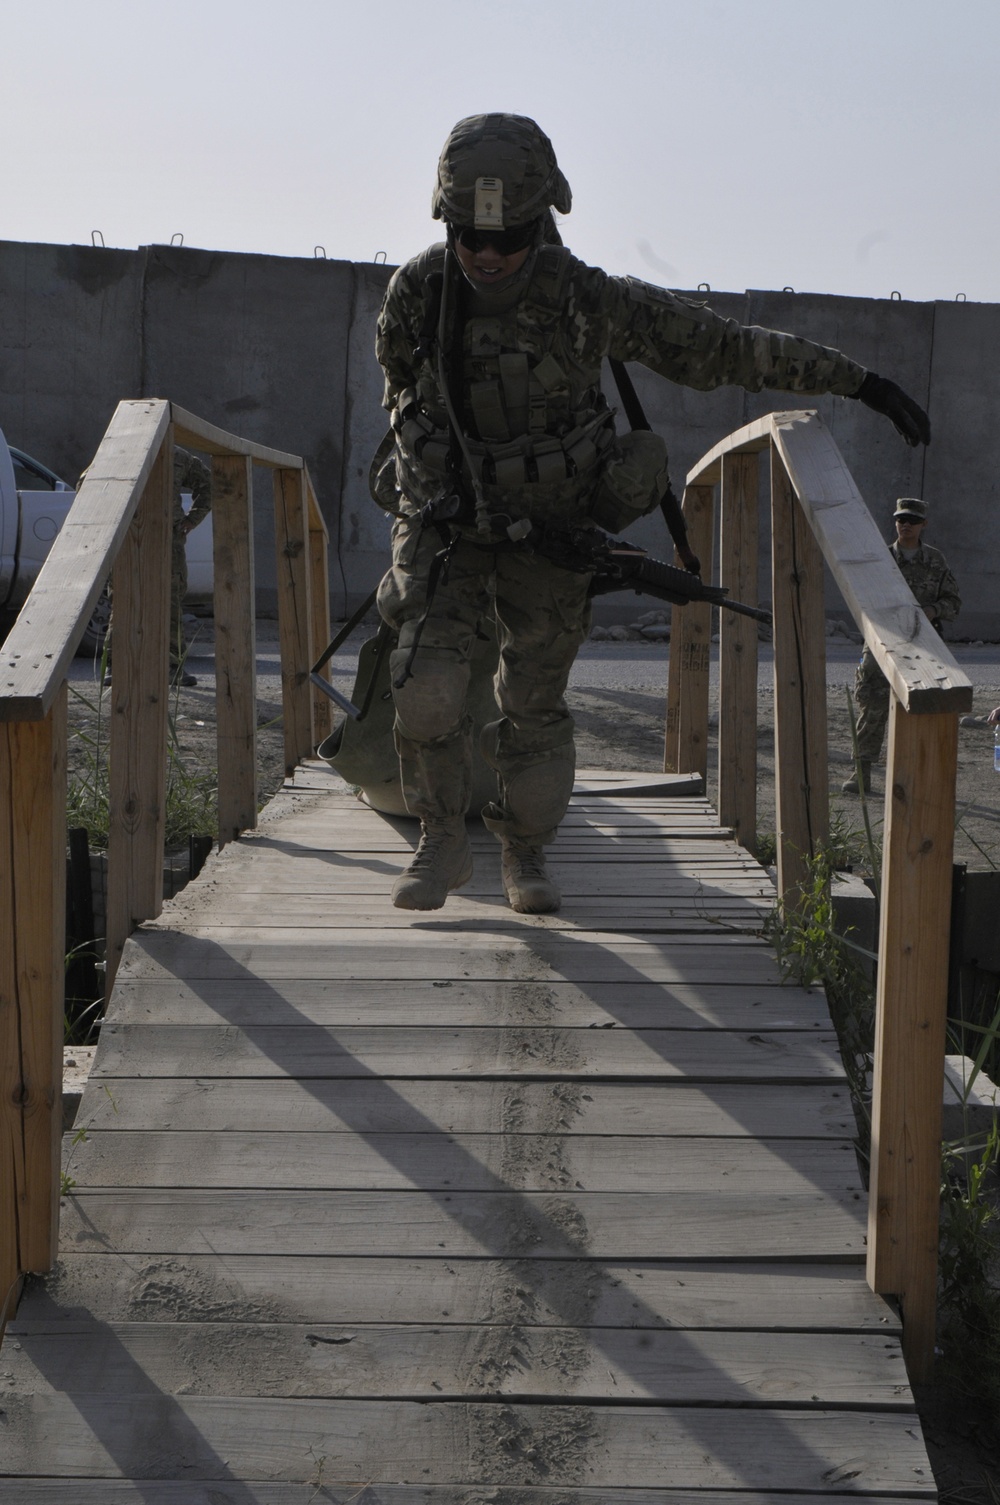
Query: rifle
x=616 y=565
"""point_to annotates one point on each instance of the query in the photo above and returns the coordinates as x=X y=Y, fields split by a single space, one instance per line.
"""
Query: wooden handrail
x=120 y=524
x=39 y=648
x=818 y=513
x=918 y=666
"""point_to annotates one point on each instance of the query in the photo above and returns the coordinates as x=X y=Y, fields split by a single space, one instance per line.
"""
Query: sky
x=845 y=147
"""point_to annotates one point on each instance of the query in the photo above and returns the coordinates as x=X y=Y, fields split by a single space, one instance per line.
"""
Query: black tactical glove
x=883 y=396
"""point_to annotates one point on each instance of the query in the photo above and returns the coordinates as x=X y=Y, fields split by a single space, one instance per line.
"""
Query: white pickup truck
x=34 y=502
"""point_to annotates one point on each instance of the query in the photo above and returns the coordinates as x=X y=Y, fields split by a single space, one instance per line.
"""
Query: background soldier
x=190 y=474
x=926 y=572
x=501 y=437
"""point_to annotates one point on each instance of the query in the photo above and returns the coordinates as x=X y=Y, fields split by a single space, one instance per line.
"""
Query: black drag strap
x=345 y=632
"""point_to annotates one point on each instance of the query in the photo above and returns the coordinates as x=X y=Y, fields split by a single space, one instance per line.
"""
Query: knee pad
x=431 y=703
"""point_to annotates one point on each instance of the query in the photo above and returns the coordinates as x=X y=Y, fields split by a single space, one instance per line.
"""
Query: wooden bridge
x=399 y=1209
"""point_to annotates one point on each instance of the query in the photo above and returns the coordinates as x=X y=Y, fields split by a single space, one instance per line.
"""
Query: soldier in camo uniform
x=190 y=474
x=926 y=572
x=491 y=345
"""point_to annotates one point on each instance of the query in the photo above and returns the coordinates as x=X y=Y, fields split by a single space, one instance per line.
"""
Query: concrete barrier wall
x=281 y=350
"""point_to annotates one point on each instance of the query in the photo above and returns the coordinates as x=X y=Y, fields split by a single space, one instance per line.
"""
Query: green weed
x=810 y=951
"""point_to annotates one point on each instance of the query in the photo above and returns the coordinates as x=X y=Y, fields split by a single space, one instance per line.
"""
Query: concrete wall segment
x=258 y=345
x=68 y=347
x=362 y=540
x=962 y=468
x=282 y=349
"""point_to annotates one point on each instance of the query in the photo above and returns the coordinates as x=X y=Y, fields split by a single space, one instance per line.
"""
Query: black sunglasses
x=505 y=242
x=907 y=517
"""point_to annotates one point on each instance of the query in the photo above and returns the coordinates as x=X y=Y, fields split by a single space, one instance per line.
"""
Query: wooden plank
x=32 y=952
x=746 y=441
x=918 y=665
x=414 y=1361
x=335 y=1106
x=333 y=1004
x=419 y=1154
x=394 y=956
x=319 y=595
x=800 y=745
x=39 y=648
x=809 y=1223
x=685 y=747
x=294 y=613
x=366 y=1443
x=909 y=652
x=694 y=648
x=594 y=781
x=265 y=1492
x=139 y=707
x=309 y=875
x=700 y=1055
x=235 y=644
x=911 y=1010
x=737 y=775
x=215 y=441
x=704 y=915
x=762 y=1296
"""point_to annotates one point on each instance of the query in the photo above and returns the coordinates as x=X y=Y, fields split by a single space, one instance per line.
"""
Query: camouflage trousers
x=542 y=616
x=871 y=691
x=178 y=590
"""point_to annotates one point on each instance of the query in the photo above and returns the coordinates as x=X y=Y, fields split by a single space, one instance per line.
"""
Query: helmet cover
x=497 y=172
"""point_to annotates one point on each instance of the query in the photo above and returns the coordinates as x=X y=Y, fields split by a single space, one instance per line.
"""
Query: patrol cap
x=911 y=506
x=497 y=172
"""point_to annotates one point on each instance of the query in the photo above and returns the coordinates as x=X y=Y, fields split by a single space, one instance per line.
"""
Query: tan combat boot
x=441 y=863
x=851 y=786
x=529 y=888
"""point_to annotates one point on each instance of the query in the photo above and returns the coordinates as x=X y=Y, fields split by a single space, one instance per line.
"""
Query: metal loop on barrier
x=96 y=238
x=319 y=253
x=380 y=258
x=177 y=239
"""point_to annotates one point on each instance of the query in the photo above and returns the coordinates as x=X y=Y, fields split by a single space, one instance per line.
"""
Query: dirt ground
x=624 y=730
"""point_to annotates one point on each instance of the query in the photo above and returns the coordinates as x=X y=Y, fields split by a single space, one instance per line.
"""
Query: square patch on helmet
x=489 y=204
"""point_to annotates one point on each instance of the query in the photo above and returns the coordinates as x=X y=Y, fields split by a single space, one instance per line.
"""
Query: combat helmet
x=497 y=172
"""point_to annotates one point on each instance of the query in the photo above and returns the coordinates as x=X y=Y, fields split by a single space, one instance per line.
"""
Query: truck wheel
x=96 y=630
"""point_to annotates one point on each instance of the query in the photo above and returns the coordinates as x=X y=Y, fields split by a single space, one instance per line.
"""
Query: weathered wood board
x=462 y=1207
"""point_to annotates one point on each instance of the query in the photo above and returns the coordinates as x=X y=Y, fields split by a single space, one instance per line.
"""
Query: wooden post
x=911 y=1011
x=139 y=706
x=319 y=570
x=737 y=798
x=802 y=814
x=685 y=747
x=32 y=956
x=294 y=613
x=235 y=644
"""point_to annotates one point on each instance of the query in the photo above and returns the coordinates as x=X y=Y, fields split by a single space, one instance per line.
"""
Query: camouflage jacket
x=191 y=474
x=531 y=401
x=931 y=581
